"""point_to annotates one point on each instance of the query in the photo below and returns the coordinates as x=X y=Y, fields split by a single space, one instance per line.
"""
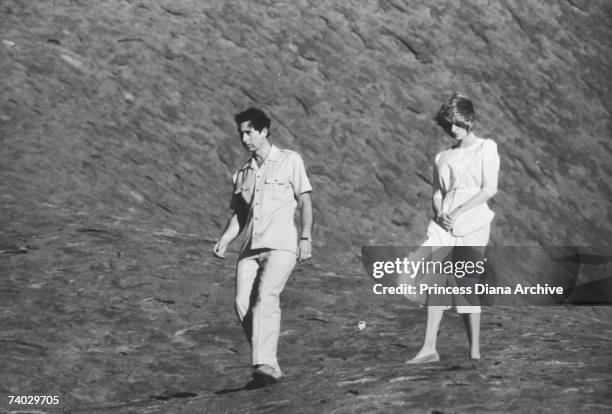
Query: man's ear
x=265 y=131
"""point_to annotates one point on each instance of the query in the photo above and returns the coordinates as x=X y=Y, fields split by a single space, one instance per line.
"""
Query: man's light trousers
x=260 y=278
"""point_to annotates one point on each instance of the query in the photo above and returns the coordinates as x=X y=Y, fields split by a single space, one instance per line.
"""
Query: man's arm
x=305 y=244
x=232 y=229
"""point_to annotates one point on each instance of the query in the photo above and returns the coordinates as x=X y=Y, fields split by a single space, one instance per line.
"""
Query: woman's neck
x=469 y=140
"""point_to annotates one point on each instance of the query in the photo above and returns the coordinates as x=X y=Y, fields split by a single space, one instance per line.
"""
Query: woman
x=465 y=178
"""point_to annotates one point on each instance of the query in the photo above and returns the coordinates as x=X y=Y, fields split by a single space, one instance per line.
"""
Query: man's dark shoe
x=265 y=375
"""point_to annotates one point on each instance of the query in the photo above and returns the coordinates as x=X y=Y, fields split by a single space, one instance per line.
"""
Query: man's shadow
x=254 y=384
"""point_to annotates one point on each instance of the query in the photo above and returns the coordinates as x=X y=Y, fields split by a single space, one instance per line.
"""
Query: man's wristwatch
x=306 y=238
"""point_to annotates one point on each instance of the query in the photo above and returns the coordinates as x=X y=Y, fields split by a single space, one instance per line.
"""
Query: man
x=266 y=191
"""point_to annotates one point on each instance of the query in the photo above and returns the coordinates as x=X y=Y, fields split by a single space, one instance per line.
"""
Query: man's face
x=251 y=138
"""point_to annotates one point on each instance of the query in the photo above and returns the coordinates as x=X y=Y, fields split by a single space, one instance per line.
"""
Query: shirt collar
x=273 y=156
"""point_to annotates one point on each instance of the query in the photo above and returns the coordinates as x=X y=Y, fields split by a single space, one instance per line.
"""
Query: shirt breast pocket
x=277 y=187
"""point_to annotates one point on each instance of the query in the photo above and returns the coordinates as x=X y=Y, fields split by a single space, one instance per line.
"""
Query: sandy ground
x=140 y=320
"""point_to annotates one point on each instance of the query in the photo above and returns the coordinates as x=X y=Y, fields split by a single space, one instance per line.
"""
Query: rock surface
x=117 y=151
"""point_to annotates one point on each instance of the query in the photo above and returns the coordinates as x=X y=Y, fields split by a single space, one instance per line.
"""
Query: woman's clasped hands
x=447 y=220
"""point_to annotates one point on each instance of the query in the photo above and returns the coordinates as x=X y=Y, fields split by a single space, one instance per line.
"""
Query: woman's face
x=458 y=132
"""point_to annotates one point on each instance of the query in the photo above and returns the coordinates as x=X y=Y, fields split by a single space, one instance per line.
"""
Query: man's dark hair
x=256 y=117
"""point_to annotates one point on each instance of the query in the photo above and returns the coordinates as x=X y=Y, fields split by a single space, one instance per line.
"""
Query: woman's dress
x=459 y=174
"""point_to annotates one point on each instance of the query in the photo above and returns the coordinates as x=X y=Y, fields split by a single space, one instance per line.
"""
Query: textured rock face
x=125 y=108
x=118 y=143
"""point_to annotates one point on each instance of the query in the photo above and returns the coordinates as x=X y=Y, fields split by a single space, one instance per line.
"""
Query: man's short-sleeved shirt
x=267 y=195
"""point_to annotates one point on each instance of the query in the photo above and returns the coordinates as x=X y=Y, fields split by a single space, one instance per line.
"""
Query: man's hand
x=219 y=249
x=232 y=229
x=304 y=250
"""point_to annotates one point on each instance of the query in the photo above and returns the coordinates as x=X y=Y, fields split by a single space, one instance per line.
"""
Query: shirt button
x=257 y=190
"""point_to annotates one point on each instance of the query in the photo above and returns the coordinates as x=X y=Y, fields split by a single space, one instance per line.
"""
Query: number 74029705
x=33 y=399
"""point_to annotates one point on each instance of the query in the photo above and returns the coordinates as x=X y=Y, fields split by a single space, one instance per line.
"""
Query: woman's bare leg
x=434 y=316
x=472 y=327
